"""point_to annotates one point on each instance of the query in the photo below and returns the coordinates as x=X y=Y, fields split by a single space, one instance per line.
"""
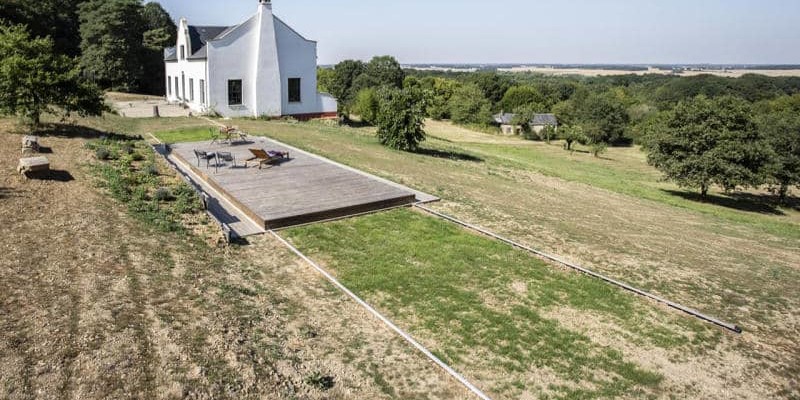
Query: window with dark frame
x=177 y=91
x=202 y=91
x=294 y=90
x=183 y=52
x=169 y=85
x=235 y=92
x=191 y=89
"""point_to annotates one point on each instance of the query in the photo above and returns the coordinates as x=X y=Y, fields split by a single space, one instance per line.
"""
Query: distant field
x=733 y=73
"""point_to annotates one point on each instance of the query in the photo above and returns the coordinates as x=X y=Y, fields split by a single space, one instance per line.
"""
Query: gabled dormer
x=192 y=40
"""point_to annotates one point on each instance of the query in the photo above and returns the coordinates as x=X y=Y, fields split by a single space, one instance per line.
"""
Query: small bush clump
x=320 y=381
x=151 y=169
x=102 y=153
x=163 y=194
x=137 y=183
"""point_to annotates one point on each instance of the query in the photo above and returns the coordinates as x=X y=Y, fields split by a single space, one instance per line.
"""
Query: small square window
x=294 y=90
x=235 y=92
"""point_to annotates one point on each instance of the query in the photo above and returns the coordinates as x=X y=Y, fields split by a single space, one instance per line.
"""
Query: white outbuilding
x=261 y=67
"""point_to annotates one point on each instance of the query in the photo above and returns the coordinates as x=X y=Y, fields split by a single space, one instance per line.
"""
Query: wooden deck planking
x=304 y=189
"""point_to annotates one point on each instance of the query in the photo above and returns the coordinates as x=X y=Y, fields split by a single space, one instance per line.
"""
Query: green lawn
x=729 y=258
x=621 y=170
x=482 y=305
x=191 y=134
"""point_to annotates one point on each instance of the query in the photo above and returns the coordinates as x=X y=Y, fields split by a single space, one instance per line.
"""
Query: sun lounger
x=267 y=157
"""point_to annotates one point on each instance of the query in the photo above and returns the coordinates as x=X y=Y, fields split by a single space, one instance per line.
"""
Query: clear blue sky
x=531 y=31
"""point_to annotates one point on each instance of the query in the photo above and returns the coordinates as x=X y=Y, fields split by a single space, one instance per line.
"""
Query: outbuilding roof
x=504 y=118
x=544 y=119
x=537 y=119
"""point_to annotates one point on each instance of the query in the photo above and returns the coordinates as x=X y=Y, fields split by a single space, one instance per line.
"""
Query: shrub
x=548 y=133
x=320 y=381
x=102 y=153
x=367 y=105
x=598 y=148
x=151 y=169
x=163 y=194
x=400 y=118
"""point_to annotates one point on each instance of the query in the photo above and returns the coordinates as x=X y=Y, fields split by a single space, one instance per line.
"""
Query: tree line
x=699 y=131
x=118 y=43
x=59 y=56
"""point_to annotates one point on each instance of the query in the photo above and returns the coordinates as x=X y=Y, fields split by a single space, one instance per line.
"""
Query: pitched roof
x=544 y=119
x=200 y=35
x=504 y=118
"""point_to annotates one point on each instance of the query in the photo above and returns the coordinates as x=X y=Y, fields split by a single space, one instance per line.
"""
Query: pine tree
x=112 y=32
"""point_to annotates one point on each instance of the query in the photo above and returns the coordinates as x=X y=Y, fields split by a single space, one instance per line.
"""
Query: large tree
x=35 y=80
x=112 y=32
x=160 y=32
x=523 y=97
x=781 y=127
x=57 y=19
x=603 y=116
x=705 y=141
x=400 y=118
x=341 y=83
x=384 y=71
x=468 y=106
x=493 y=85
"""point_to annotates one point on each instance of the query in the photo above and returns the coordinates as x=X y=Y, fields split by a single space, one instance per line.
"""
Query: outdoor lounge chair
x=204 y=155
x=228 y=134
x=267 y=157
x=227 y=157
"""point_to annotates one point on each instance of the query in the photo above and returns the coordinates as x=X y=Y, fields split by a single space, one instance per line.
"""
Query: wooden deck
x=305 y=188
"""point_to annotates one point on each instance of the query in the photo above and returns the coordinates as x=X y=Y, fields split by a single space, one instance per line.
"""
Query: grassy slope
x=481 y=303
x=609 y=214
x=100 y=305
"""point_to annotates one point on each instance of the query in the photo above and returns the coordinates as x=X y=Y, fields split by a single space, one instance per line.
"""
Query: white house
x=261 y=67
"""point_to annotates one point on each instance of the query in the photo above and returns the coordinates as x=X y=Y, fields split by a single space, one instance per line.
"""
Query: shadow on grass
x=449 y=154
x=354 y=124
x=762 y=204
x=77 y=131
x=57 y=176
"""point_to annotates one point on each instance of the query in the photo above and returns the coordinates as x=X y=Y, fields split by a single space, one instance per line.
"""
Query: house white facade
x=261 y=67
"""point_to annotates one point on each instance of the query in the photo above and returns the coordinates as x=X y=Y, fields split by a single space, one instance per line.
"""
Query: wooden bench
x=33 y=164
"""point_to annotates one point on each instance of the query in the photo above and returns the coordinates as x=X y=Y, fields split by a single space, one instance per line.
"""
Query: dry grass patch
x=612 y=215
x=99 y=304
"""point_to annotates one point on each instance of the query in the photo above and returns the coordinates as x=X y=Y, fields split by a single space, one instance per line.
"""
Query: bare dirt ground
x=97 y=305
